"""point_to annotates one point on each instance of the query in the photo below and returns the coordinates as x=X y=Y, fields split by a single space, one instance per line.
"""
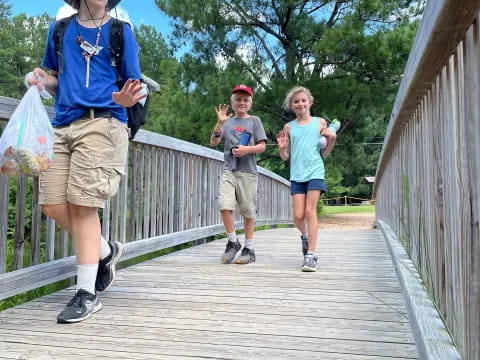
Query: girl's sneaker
x=309 y=263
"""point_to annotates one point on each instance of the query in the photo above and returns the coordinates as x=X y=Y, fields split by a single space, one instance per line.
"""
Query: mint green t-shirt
x=305 y=160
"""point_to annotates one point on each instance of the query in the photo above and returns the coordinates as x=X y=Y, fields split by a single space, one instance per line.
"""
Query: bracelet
x=216 y=133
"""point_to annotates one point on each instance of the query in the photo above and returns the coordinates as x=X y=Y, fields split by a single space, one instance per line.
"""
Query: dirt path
x=347 y=221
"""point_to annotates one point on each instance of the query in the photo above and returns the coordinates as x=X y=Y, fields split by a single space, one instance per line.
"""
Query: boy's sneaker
x=309 y=263
x=106 y=267
x=230 y=251
x=247 y=256
x=304 y=244
x=80 y=307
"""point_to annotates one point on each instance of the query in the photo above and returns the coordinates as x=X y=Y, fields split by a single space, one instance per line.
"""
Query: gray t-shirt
x=231 y=132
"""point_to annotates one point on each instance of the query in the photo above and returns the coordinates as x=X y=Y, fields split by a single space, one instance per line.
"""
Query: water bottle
x=245 y=138
x=334 y=126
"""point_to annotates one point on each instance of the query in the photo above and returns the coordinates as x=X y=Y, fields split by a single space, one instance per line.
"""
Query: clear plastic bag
x=26 y=144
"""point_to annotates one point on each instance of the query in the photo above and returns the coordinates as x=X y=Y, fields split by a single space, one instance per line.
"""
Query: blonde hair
x=238 y=94
x=294 y=91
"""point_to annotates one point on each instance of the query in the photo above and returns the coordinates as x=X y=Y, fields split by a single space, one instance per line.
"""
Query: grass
x=360 y=209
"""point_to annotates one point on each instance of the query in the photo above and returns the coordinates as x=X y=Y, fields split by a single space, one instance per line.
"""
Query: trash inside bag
x=26 y=144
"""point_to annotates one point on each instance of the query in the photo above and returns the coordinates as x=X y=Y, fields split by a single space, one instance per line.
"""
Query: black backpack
x=138 y=112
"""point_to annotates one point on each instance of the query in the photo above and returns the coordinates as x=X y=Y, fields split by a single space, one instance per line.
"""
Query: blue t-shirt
x=73 y=98
x=305 y=160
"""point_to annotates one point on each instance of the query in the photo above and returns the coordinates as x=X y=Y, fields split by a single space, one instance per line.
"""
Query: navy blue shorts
x=303 y=187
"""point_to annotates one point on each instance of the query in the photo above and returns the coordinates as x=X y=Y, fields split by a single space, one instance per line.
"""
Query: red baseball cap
x=242 y=88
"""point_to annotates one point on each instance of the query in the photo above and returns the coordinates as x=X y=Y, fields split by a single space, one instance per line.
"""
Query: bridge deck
x=187 y=305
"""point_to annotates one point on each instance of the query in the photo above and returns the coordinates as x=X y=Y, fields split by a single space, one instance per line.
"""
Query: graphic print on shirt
x=237 y=131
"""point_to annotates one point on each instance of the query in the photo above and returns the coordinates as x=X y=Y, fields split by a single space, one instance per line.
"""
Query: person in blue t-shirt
x=299 y=140
x=91 y=141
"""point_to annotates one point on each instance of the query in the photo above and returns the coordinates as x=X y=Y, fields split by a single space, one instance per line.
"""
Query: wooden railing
x=168 y=197
x=427 y=182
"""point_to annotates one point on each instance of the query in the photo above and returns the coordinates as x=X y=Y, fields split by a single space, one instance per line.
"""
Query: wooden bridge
x=408 y=290
x=188 y=305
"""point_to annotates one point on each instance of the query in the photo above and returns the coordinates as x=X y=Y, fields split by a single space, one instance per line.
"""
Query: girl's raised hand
x=282 y=139
x=221 y=111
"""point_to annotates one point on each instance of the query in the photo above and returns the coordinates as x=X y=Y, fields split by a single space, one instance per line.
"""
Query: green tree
x=350 y=53
x=23 y=42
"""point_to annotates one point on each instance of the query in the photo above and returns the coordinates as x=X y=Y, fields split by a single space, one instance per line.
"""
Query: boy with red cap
x=91 y=141
x=243 y=136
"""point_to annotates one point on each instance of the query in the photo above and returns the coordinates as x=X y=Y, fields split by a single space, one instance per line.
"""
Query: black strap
x=58 y=33
x=116 y=47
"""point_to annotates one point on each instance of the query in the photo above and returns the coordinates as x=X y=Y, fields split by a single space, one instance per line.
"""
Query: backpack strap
x=116 y=47
x=58 y=33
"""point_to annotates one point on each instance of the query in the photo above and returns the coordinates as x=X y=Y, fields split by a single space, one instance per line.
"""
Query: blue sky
x=139 y=11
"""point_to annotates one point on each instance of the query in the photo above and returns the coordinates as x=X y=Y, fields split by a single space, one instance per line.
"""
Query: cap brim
x=111 y=3
x=242 y=91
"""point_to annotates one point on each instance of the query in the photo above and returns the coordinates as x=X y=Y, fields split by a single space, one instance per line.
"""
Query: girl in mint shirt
x=299 y=141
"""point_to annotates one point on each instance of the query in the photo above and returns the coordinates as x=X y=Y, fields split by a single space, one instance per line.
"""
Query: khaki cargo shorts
x=238 y=187
x=90 y=157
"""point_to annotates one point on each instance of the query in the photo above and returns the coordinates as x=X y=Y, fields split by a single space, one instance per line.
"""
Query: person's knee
x=80 y=210
x=310 y=213
x=298 y=218
x=53 y=211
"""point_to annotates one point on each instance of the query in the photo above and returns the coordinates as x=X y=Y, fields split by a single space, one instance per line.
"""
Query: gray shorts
x=239 y=187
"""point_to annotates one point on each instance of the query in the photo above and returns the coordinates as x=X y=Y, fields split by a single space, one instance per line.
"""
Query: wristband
x=217 y=133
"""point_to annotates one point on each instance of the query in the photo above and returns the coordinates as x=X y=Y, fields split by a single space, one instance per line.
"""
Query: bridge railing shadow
x=168 y=196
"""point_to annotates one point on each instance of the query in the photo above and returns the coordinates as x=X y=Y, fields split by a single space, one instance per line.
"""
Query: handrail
x=428 y=176
x=443 y=26
x=168 y=197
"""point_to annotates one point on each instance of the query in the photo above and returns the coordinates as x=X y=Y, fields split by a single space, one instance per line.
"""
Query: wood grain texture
x=189 y=305
x=427 y=181
x=432 y=339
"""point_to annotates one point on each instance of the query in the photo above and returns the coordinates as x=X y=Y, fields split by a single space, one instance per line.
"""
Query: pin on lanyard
x=89 y=50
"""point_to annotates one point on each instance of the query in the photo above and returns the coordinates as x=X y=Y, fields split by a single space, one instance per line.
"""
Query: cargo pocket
x=101 y=179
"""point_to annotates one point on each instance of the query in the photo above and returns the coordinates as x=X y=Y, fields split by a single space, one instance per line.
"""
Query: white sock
x=311 y=253
x=249 y=243
x=232 y=237
x=104 y=248
x=86 y=276
x=304 y=236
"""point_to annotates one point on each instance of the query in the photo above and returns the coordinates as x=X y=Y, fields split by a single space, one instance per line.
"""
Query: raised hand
x=130 y=93
x=221 y=111
x=282 y=140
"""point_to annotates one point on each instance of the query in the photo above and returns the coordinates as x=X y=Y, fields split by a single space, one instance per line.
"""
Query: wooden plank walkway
x=187 y=305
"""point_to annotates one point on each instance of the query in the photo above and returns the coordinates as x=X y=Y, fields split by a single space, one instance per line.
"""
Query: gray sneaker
x=80 y=308
x=247 y=256
x=304 y=244
x=230 y=251
x=309 y=263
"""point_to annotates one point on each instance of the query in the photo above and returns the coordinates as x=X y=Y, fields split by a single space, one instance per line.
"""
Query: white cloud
x=122 y=14
x=244 y=51
x=66 y=10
